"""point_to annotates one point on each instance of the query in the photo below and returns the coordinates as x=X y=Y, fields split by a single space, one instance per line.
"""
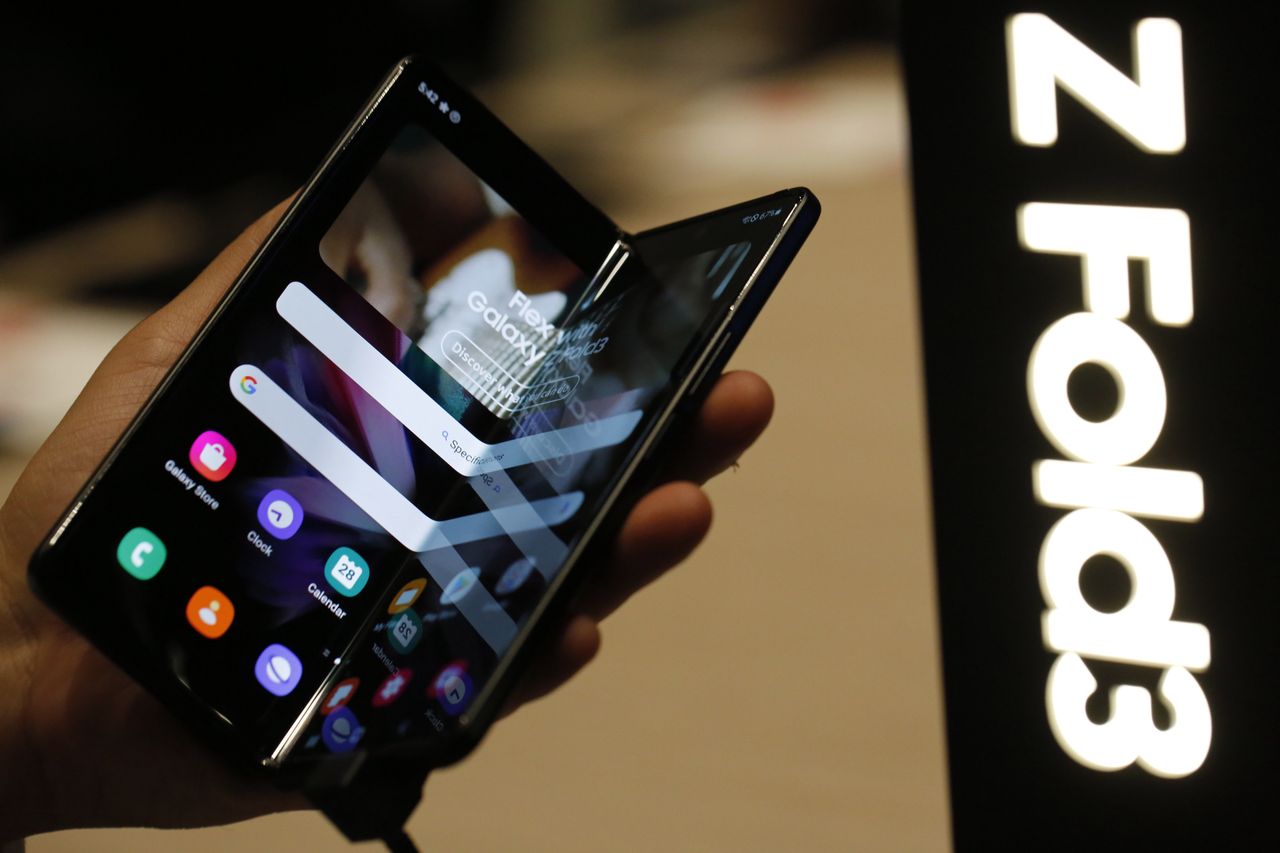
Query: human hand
x=81 y=744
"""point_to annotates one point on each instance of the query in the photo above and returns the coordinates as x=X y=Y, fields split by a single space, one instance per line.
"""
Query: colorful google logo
x=248 y=384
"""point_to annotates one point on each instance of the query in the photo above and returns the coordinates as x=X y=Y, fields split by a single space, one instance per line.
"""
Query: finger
x=174 y=325
x=576 y=646
x=734 y=415
x=661 y=531
x=98 y=704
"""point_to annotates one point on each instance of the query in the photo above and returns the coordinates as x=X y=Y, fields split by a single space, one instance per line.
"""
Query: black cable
x=372 y=803
x=400 y=842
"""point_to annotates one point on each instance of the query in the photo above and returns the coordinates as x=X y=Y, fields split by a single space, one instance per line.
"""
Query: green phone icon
x=141 y=553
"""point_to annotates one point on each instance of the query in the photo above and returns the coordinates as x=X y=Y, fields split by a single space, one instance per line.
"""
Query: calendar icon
x=404 y=632
x=346 y=571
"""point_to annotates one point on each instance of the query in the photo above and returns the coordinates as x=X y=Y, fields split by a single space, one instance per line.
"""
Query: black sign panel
x=1096 y=201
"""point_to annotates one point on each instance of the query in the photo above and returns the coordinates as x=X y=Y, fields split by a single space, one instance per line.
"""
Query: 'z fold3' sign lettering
x=1100 y=484
x=1096 y=391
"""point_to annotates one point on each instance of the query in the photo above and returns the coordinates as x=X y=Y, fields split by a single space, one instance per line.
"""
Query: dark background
x=985 y=302
x=106 y=106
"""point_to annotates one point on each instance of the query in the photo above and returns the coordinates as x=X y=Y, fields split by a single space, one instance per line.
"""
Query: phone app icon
x=346 y=571
x=391 y=688
x=278 y=669
x=452 y=688
x=212 y=456
x=340 y=695
x=405 y=632
x=407 y=595
x=210 y=612
x=141 y=553
x=280 y=514
x=341 y=731
x=459 y=586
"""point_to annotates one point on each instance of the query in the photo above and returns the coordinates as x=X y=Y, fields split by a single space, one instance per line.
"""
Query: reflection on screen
x=457 y=270
x=486 y=316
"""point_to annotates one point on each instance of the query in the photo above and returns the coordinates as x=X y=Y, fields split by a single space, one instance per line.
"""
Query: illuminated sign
x=1098 y=484
x=1094 y=210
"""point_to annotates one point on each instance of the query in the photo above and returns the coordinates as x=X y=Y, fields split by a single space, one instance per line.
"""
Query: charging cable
x=400 y=842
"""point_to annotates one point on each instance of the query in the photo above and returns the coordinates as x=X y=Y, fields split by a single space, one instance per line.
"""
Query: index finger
x=733 y=416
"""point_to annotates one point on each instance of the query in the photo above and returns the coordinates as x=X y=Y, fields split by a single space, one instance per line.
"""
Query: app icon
x=249 y=383
x=407 y=595
x=405 y=632
x=213 y=456
x=340 y=695
x=278 y=670
x=341 y=730
x=210 y=612
x=452 y=688
x=280 y=514
x=346 y=571
x=515 y=576
x=141 y=553
x=461 y=584
x=391 y=688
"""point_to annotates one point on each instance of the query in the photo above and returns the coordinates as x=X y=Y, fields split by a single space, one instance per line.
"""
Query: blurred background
x=781 y=691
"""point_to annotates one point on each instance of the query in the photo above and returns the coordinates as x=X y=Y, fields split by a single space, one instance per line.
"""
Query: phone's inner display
x=344 y=508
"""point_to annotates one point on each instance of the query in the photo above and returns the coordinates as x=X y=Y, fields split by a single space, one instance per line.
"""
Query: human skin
x=82 y=745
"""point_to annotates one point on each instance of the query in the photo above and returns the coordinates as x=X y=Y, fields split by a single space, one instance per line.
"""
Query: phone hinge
x=605 y=275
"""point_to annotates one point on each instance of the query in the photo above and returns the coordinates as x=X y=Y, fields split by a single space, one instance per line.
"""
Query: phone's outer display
x=1092 y=201
x=339 y=524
